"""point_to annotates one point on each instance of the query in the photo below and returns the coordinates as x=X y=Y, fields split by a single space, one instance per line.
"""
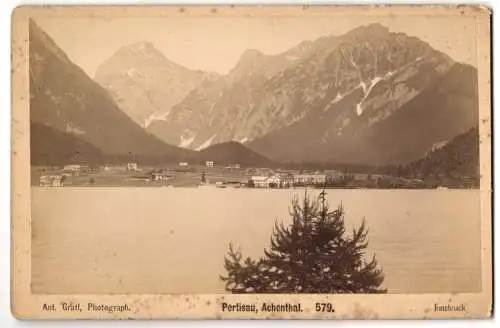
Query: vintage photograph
x=233 y=152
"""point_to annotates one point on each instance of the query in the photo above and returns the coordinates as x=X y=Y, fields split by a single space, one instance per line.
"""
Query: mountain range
x=234 y=106
x=368 y=97
x=427 y=110
x=65 y=99
x=144 y=83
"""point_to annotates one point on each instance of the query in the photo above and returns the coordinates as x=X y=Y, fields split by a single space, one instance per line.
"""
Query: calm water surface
x=173 y=240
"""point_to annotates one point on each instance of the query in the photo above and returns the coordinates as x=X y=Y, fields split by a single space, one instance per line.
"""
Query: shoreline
x=227 y=187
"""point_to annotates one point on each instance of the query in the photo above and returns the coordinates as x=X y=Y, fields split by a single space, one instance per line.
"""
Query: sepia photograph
x=253 y=150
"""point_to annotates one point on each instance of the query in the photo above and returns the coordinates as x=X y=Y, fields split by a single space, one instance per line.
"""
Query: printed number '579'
x=324 y=307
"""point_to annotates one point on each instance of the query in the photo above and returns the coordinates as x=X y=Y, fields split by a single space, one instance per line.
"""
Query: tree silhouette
x=312 y=255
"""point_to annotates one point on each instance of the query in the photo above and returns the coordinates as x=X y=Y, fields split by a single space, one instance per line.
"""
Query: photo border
x=26 y=305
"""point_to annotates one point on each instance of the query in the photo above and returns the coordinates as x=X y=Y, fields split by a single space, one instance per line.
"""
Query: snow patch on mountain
x=362 y=84
x=72 y=129
x=155 y=117
x=337 y=98
x=131 y=72
x=388 y=74
x=242 y=140
x=186 y=142
x=366 y=91
x=206 y=143
x=359 y=109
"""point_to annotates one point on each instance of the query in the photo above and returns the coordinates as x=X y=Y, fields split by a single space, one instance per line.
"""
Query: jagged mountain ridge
x=63 y=97
x=446 y=106
x=349 y=86
x=144 y=83
x=215 y=106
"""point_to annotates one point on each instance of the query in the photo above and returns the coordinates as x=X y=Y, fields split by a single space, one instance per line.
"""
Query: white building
x=51 y=181
x=233 y=166
x=309 y=178
x=156 y=176
x=259 y=181
x=209 y=163
x=272 y=181
x=132 y=167
x=71 y=168
x=75 y=169
x=333 y=174
x=183 y=163
x=286 y=180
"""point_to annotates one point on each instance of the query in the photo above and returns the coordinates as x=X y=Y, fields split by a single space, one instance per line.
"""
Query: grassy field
x=119 y=176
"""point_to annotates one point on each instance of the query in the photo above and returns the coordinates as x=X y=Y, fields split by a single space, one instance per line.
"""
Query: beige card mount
x=314 y=162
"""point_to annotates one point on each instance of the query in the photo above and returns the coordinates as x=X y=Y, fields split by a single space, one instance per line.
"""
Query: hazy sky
x=216 y=43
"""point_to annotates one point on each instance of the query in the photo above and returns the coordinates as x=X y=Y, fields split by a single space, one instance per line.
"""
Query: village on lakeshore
x=209 y=174
x=142 y=119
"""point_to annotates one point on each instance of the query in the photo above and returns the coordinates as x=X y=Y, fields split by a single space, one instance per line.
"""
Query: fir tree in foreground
x=314 y=254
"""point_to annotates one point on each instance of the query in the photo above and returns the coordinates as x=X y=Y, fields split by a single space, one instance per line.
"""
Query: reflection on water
x=173 y=240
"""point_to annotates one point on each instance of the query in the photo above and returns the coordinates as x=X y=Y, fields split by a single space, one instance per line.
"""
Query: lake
x=173 y=240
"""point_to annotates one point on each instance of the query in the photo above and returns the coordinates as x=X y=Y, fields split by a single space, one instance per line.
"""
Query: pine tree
x=312 y=255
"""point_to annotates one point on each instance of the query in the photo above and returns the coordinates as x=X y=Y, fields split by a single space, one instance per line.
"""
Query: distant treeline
x=459 y=158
